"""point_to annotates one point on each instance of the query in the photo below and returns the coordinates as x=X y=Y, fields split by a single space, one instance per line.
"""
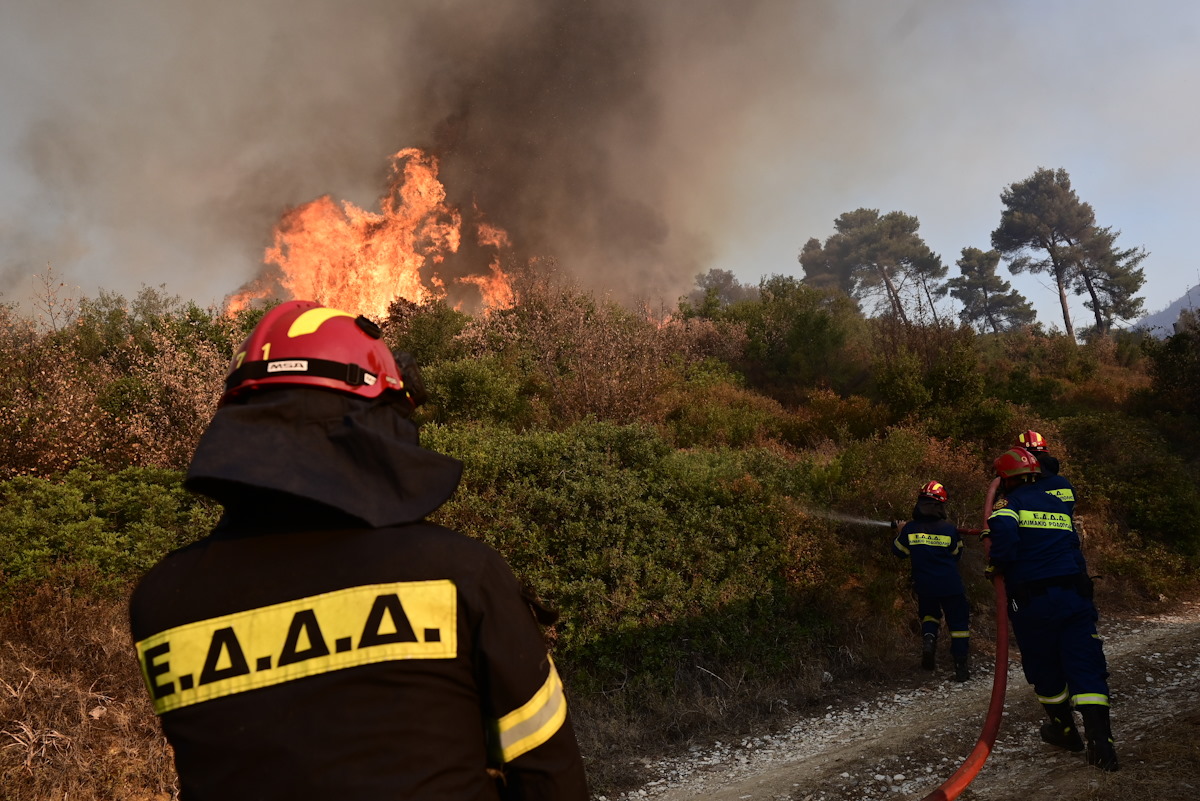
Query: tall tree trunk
x=893 y=295
x=1101 y=325
x=1060 y=278
x=932 y=308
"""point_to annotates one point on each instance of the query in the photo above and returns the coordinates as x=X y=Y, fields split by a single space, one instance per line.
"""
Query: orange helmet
x=1032 y=441
x=1016 y=462
x=934 y=490
x=301 y=343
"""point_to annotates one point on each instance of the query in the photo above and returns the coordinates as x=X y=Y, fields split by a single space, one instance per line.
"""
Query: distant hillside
x=1160 y=323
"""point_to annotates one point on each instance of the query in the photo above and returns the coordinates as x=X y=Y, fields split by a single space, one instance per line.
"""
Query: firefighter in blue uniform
x=324 y=641
x=1033 y=544
x=933 y=546
x=1053 y=482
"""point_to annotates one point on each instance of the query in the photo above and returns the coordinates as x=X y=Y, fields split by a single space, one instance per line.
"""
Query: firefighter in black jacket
x=934 y=546
x=324 y=641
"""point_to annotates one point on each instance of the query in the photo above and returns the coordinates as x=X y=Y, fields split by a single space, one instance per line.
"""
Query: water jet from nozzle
x=858 y=521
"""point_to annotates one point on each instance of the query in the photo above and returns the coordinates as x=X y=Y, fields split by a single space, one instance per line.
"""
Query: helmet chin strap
x=351 y=374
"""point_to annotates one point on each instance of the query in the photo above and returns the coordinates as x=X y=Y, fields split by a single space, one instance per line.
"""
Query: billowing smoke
x=164 y=144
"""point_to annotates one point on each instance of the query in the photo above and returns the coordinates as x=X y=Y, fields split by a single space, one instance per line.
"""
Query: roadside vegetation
x=663 y=480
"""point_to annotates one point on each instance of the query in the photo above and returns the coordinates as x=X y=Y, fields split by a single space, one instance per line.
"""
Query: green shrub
x=1129 y=465
x=103 y=528
x=707 y=407
x=485 y=389
x=631 y=538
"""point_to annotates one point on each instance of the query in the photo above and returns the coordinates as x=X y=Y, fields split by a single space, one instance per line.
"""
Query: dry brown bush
x=586 y=357
x=140 y=402
x=48 y=414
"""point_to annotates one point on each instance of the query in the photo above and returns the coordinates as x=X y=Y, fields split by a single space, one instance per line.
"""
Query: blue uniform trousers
x=958 y=612
x=1061 y=653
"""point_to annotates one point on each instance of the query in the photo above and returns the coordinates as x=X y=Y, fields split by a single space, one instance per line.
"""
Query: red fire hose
x=991 y=726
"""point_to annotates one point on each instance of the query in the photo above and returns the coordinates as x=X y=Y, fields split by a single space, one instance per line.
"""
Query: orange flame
x=350 y=258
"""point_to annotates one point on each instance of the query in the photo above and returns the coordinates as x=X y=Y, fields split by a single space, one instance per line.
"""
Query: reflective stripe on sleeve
x=900 y=545
x=534 y=722
x=1004 y=513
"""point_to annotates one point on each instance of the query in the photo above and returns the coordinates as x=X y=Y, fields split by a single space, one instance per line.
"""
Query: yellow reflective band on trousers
x=1090 y=699
x=322 y=633
x=1045 y=520
x=1065 y=495
x=535 y=721
x=1053 y=699
x=921 y=538
x=960 y=635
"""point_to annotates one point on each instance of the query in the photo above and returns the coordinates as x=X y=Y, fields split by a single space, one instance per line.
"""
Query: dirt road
x=903 y=743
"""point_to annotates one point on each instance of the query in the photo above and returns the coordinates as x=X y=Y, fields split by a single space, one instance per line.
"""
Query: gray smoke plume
x=164 y=142
x=637 y=142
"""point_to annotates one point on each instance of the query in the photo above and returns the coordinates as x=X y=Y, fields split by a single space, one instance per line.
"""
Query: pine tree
x=873 y=254
x=989 y=302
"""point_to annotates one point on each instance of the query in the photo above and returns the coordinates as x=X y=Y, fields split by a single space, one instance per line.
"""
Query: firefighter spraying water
x=933 y=545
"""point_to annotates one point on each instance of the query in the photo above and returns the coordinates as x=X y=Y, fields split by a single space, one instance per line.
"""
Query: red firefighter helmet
x=1032 y=441
x=1016 y=462
x=302 y=343
x=934 y=490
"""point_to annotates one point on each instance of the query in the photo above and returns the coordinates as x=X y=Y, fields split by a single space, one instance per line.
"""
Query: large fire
x=350 y=258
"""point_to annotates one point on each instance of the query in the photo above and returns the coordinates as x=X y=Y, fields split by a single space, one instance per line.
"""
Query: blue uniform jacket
x=1033 y=536
x=934 y=547
x=1060 y=488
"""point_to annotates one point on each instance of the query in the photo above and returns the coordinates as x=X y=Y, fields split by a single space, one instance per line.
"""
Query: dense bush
x=616 y=527
x=1124 y=464
x=94 y=527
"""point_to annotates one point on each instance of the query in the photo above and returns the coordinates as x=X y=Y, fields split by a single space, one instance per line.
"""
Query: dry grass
x=1165 y=767
x=76 y=721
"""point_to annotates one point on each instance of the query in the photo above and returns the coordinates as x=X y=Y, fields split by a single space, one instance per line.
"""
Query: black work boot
x=962 y=670
x=1100 y=749
x=1060 y=731
x=928 y=649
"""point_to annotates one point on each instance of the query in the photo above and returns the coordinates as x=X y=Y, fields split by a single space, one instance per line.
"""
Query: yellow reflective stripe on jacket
x=535 y=721
x=921 y=538
x=1004 y=513
x=1065 y=495
x=1045 y=520
x=305 y=637
x=900 y=545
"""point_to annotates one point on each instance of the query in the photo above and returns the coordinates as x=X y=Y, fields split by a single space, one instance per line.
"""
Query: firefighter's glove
x=895 y=525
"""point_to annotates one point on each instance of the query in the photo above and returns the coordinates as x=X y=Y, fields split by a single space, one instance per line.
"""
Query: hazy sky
x=147 y=143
